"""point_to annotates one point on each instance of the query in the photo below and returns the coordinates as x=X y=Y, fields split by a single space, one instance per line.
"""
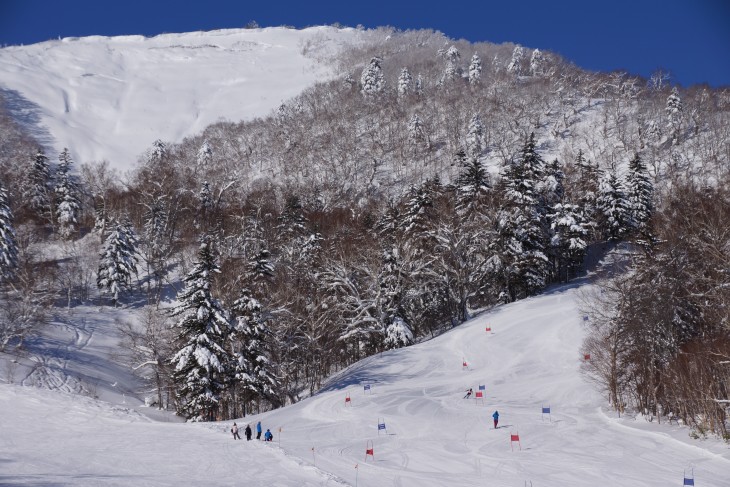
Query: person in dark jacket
x=496 y=418
x=268 y=436
x=248 y=432
x=258 y=430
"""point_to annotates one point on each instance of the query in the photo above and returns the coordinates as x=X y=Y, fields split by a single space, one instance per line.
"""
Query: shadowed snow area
x=432 y=436
x=112 y=97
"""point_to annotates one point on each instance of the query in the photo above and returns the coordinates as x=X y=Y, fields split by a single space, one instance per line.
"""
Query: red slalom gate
x=586 y=356
x=514 y=437
x=348 y=400
x=369 y=450
x=479 y=396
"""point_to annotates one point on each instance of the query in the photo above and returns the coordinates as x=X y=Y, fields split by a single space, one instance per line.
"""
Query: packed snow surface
x=110 y=98
x=433 y=436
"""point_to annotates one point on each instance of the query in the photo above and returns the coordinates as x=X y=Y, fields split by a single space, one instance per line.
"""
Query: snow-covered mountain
x=433 y=436
x=112 y=97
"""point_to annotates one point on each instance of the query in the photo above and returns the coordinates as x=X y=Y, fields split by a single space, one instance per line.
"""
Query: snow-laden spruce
x=372 y=80
x=38 y=191
x=523 y=239
x=68 y=205
x=614 y=207
x=475 y=70
x=201 y=360
x=405 y=82
x=118 y=261
x=640 y=193
x=8 y=243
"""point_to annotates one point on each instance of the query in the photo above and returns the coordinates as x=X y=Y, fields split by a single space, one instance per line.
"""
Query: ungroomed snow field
x=432 y=437
x=110 y=98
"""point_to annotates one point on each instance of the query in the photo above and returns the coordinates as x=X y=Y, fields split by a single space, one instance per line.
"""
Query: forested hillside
x=432 y=179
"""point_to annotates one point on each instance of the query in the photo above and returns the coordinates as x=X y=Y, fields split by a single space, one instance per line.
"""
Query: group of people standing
x=249 y=433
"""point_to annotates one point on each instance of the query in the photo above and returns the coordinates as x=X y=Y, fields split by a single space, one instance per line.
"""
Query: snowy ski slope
x=112 y=97
x=433 y=436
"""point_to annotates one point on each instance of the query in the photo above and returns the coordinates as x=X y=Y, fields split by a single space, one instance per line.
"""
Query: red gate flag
x=512 y=438
x=369 y=450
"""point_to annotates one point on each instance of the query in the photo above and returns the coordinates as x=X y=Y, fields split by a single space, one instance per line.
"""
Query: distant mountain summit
x=110 y=98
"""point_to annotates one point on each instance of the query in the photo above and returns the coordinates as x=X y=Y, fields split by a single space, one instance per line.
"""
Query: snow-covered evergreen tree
x=388 y=224
x=537 y=63
x=156 y=242
x=515 y=64
x=292 y=222
x=254 y=368
x=569 y=239
x=452 y=71
x=674 y=110
x=523 y=237
x=475 y=70
x=372 y=80
x=587 y=189
x=418 y=88
x=475 y=136
x=397 y=334
x=349 y=82
x=472 y=188
x=452 y=55
x=201 y=361
x=390 y=294
x=38 y=193
x=158 y=152
x=405 y=83
x=614 y=207
x=8 y=244
x=639 y=192
x=118 y=261
x=552 y=186
x=68 y=204
x=417 y=132
x=205 y=154
x=419 y=213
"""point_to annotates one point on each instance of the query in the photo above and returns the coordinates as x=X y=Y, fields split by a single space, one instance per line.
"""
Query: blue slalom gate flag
x=482 y=388
x=367 y=387
x=689 y=480
x=546 y=410
x=381 y=426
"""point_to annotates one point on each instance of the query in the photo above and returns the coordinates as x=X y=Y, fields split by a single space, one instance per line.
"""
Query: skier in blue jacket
x=268 y=436
x=496 y=418
x=258 y=430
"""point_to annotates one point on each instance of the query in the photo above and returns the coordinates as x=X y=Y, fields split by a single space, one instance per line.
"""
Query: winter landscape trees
x=358 y=219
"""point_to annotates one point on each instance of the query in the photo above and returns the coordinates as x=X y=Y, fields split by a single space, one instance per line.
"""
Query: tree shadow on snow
x=28 y=115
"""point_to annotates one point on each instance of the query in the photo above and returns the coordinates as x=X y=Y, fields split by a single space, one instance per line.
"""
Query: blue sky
x=688 y=38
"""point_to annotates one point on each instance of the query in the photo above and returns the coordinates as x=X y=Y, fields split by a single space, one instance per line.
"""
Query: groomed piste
x=407 y=423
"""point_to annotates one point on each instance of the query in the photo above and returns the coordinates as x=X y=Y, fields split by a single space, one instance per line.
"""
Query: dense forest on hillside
x=433 y=178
